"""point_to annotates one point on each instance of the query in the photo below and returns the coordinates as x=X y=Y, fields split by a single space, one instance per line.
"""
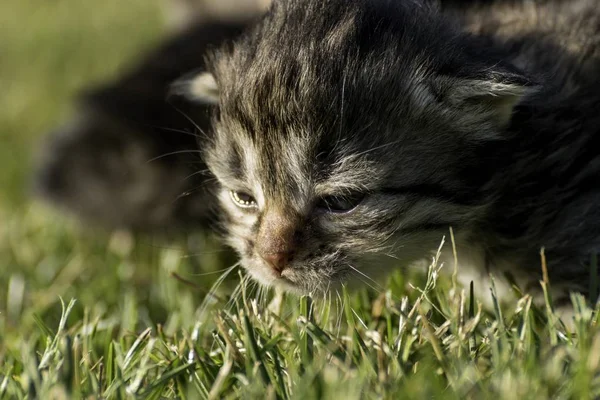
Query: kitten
x=351 y=134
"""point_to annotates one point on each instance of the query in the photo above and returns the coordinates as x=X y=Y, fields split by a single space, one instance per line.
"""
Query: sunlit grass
x=94 y=329
x=88 y=314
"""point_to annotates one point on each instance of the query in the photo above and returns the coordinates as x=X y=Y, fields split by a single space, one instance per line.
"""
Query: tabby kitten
x=351 y=134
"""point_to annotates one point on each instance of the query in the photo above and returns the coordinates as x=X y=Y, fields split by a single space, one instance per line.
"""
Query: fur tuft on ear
x=198 y=87
x=492 y=97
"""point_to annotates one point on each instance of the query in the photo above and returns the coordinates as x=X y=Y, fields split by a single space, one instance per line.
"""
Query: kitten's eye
x=243 y=200
x=340 y=204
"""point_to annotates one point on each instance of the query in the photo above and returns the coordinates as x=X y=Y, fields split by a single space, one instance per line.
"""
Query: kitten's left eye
x=243 y=200
x=340 y=204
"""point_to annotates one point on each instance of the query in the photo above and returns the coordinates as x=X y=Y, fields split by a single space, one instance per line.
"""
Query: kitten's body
x=548 y=192
x=495 y=135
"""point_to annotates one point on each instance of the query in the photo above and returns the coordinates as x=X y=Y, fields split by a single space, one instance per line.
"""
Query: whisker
x=211 y=293
x=376 y=148
x=181 y=196
x=366 y=276
x=370 y=286
x=237 y=291
x=233 y=297
x=183 y=280
x=164 y=128
x=190 y=192
x=202 y=171
x=211 y=273
x=391 y=256
x=173 y=153
x=189 y=119
x=205 y=253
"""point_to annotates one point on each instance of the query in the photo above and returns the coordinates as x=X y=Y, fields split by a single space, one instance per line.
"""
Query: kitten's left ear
x=198 y=87
x=490 y=96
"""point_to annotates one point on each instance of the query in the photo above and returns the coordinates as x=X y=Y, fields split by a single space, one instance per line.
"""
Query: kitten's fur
x=494 y=134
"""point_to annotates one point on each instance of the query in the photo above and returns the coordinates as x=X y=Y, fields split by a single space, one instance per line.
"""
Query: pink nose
x=277 y=261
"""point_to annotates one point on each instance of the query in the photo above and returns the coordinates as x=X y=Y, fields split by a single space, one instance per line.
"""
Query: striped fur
x=484 y=121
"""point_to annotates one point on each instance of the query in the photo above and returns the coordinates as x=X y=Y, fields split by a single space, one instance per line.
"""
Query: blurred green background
x=48 y=52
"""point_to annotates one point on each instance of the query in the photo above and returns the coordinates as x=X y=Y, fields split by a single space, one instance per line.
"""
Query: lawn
x=92 y=314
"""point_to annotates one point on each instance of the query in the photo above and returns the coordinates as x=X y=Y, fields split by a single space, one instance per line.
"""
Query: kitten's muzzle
x=277 y=261
x=277 y=239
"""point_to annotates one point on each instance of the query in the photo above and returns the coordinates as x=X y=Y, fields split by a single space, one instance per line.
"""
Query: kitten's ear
x=198 y=87
x=491 y=96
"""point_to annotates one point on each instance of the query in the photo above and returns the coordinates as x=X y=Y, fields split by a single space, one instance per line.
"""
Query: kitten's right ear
x=197 y=87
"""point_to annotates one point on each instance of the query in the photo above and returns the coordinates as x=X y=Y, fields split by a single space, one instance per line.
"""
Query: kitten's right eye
x=243 y=200
x=340 y=204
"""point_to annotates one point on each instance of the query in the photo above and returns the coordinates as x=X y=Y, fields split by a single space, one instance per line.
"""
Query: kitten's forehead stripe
x=236 y=163
x=283 y=172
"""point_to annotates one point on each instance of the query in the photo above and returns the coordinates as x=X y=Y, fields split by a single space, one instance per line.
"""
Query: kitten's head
x=348 y=133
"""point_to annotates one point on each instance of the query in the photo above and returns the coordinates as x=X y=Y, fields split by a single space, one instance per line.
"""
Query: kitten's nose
x=277 y=261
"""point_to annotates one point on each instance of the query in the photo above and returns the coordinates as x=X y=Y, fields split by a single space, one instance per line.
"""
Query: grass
x=88 y=314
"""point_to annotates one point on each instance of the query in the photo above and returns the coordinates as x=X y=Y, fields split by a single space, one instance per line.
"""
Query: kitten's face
x=308 y=220
x=339 y=148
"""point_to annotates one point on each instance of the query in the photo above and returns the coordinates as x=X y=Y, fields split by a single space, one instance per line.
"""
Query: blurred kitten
x=128 y=158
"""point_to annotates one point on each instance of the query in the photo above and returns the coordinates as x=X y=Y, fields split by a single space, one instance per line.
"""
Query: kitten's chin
x=267 y=277
x=289 y=280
